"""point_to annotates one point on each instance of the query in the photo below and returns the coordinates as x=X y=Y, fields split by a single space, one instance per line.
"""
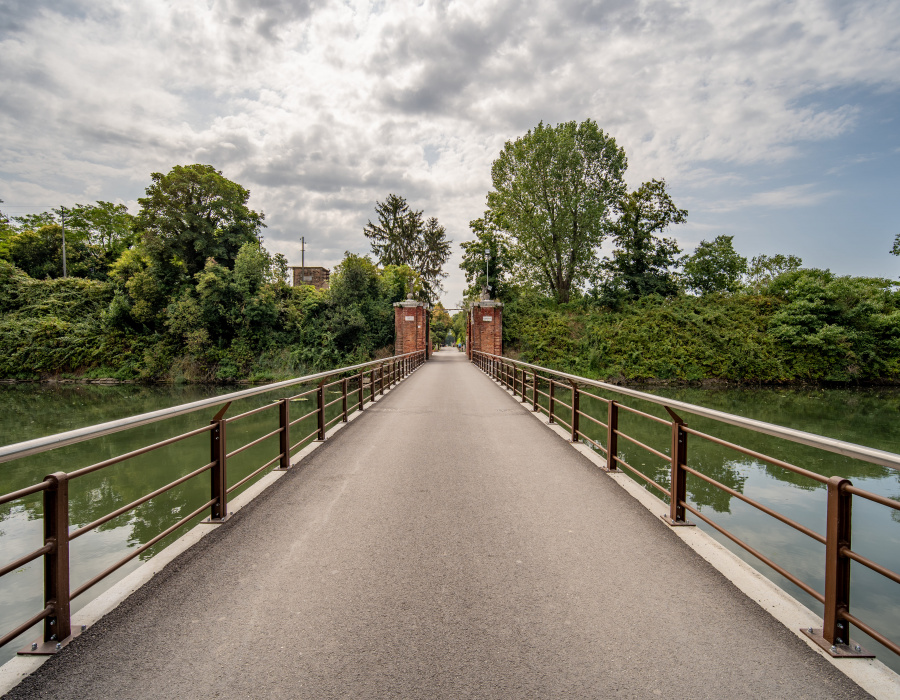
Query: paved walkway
x=443 y=545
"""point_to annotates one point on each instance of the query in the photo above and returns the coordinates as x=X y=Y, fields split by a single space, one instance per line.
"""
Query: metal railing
x=527 y=382
x=369 y=377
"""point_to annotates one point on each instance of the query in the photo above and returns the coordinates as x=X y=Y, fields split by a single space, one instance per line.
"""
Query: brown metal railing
x=835 y=635
x=55 y=487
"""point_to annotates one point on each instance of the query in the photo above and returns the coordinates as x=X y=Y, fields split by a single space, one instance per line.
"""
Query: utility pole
x=487 y=284
x=62 y=211
x=302 y=259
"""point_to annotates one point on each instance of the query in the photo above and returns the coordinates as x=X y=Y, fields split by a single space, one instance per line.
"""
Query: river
x=865 y=416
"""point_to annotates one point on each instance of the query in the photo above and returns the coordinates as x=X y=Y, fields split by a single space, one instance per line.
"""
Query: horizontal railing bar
x=134 y=504
x=875 y=498
x=541 y=393
x=102 y=575
x=331 y=403
x=7 y=638
x=649 y=449
x=336 y=418
x=758 y=455
x=250 y=476
x=299 y=442
x=877 y=568
x=557 y=402
x=594 y=396
x=246 y=414
x=847 y=449
x=27 y=559
x=297 y=420
x=641 y=474
x=756 y=504
x=559 y=421
x=254 y=442
x=661 y=421
x=70 y=437
x=139 y=452
x=591 y=418
x=305 y=393
x=27 y=491
x=877 y=636
x=759 y=555
x=595 y=444
x=331 y=384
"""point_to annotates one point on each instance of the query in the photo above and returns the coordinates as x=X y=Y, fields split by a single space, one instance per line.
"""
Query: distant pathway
x=443 y=545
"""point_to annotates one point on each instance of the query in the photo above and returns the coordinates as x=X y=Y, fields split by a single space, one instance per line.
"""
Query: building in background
x=315 y=276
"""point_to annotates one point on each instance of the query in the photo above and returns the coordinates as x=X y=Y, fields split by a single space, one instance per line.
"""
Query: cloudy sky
x=775 y=122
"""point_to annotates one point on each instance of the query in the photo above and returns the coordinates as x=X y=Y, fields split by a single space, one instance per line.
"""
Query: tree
x=765 y=269
x=555 y=189
x=191 y=214
x=489 y=241
x=714 y=267
x=896 y=249
x=642 y=261
x=401 y=238
x=440 y=324
x=6 y=232
x=106 y=225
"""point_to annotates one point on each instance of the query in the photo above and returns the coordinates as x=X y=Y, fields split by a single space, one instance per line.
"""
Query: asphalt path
x=443 y=545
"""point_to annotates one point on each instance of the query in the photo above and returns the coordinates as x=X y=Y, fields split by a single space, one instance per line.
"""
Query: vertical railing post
x=534 y=391
x=837 y=567
x=524 y=384
x=58 y=626
x=284 y=438
x=320 y=399
x=678 y=479
x=381 y=379
x=552 y=398
x=575 y=409
x=515 y=379
x=218 y=475
x=612 y=437
x=344 y=387
x=359 y=390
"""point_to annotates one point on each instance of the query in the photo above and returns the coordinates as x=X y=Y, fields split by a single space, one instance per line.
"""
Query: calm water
x=29 y=411
x=869 y=417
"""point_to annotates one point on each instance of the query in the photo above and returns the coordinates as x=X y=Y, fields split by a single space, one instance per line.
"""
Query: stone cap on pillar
x=486 y=304
x=410 y=302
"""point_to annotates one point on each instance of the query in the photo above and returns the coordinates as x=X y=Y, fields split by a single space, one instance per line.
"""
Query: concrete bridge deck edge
x=19 y=668
x=870 y=674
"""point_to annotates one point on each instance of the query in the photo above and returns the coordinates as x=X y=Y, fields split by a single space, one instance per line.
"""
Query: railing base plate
x=49 y=648
x=216 y=521
x=677 y=523
x=840 y=650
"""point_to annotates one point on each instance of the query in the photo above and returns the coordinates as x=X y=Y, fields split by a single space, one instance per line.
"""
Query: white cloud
x=322 y=108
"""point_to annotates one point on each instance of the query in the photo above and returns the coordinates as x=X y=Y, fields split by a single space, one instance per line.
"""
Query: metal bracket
x=851 y=650
x=216 y=521
x=41 y=648
x=675 y=523
x=221 y=412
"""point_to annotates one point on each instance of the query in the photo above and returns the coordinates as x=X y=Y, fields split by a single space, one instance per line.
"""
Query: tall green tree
x=643 y=261
x=896 y=249
x=763 y=270
x=193 y=213
x=104 y=224
x=714 y=267
x=401 y=237
x=554 y=192
x=487 y=261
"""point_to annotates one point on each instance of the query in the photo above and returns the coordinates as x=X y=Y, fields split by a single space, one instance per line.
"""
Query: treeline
x=648 y=312
x=184 y=290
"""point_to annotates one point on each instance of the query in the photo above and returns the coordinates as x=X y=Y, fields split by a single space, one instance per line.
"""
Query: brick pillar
x=410 y=326
x=485 y=327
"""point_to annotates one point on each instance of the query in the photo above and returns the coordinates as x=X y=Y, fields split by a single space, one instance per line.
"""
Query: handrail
x=847 y=449
x=70 y=437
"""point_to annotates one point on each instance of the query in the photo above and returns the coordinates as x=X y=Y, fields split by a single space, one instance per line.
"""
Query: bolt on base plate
x=851 y=650
x=676 y=523
x=216 y=521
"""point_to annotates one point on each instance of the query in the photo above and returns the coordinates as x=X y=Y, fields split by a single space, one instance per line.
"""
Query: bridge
x=440 y=542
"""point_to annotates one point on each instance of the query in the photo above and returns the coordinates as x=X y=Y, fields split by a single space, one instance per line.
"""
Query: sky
x=777 y=123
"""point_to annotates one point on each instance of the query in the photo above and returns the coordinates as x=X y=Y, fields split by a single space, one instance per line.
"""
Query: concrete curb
x=16 y=669
x=870 y=674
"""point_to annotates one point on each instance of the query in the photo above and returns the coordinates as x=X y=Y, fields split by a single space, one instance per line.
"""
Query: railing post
x=678 y=479
x=612 y=438
x=372 y=385
x=534 y=391
x=320 y=399
x=552 y=399
x=284 y=438
x=58 y=626
x=344 y=387
x=524 y=384
x=359 y=391
x=837 y=567
x=515 y=379
x=575 y=409
x=381 y=379
x=218 y=512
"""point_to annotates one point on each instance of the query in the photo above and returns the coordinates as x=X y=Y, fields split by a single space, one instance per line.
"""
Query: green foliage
x=642 y=262
x=555 y=189
x=765 y=269
x=489 y=241
x=715 y=267
x=896 y=248
x=402 y=238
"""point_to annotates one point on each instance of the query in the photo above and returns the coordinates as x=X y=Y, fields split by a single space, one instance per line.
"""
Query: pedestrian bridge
x=441 y=542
